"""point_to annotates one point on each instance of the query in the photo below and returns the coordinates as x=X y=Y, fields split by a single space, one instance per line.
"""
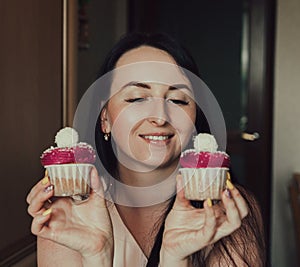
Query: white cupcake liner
x=70 y=179
x=203 y=183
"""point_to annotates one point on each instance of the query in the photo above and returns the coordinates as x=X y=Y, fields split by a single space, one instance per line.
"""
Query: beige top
x=127 y=253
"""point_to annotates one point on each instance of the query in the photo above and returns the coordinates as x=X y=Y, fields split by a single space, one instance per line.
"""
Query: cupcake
x=69 y=164
x=204 y=169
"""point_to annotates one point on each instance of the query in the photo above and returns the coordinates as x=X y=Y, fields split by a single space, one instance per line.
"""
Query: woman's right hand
x=85 y=227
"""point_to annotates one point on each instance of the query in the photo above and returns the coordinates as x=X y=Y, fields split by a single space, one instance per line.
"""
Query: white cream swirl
x=205 y=142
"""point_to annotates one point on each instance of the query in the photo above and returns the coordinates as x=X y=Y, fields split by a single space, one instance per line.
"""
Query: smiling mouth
x=156 y=137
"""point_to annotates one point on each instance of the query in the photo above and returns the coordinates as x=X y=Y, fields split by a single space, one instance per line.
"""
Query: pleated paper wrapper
x=203 y=183
x=70 y=179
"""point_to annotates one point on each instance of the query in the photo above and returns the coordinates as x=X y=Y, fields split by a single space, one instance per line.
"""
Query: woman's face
x=150 y=122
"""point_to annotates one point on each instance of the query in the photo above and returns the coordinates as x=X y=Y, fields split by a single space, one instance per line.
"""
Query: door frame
x=260 y=106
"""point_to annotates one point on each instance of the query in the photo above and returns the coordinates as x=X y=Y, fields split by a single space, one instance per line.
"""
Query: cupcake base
x=203 y=183
x=70 y=179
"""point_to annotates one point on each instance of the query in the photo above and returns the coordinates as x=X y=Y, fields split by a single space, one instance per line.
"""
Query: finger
x=238 y=199
x=41 y=184
x=97 y=192
x=210 y=219
x=206 y=234
x=38 y=226
x=37 y=203
x=181 y=203
x=232 y=213
x=41 y=228
x=96 y=184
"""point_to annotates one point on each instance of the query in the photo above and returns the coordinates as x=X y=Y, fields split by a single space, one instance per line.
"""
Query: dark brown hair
x=247 y=242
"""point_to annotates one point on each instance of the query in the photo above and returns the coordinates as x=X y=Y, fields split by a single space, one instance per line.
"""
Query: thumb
x=181 y=203
x=97 y=191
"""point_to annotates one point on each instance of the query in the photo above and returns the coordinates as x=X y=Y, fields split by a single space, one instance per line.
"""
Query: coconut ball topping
x=205 y=142
x=66 y=137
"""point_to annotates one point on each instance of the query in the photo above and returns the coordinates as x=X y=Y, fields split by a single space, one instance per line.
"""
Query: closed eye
x=178 y=102
x=132 y=100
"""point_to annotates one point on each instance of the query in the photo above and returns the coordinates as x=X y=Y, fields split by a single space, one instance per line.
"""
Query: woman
x=148 y=145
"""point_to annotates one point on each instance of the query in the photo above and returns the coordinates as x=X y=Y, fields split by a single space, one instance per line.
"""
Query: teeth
x=156 y=137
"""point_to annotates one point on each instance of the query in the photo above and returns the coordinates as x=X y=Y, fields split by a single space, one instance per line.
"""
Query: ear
x=105 y=124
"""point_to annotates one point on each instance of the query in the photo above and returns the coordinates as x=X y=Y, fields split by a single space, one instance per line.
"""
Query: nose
x=159 y=115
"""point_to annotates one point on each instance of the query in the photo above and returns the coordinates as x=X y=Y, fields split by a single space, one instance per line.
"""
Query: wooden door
x=31 y=110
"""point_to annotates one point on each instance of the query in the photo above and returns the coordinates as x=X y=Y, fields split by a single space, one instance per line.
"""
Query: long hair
x=251 y=227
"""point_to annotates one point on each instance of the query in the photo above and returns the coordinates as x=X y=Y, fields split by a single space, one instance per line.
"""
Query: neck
x=147 y=178
x=144 y=189
x=154 y=211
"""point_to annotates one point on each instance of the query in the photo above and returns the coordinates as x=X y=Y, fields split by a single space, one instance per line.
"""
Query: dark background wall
x=212 y=32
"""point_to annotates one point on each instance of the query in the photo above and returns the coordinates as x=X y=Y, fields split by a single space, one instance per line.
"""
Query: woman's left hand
x=188 y=229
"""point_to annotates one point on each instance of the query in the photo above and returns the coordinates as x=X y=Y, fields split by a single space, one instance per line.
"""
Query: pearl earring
x=106 y=136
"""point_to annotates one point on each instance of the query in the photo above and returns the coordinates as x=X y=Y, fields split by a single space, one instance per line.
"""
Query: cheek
x=123 y=121
x=184 y=124
x=183 y=120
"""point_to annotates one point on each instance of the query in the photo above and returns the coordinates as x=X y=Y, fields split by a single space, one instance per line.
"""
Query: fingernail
x=209 y=202
x=45 y=180
x=48 y=188
x=46 y=212
x=227 y=193
x=229 y=184
x=228 y=176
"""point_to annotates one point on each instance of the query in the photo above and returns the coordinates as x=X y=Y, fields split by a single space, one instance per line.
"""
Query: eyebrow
x=137 y=84
x=179 y=86
x=144 y=85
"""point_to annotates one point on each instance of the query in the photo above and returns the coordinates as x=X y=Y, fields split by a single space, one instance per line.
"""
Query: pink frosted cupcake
x=69 y=164
x=204 y=169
